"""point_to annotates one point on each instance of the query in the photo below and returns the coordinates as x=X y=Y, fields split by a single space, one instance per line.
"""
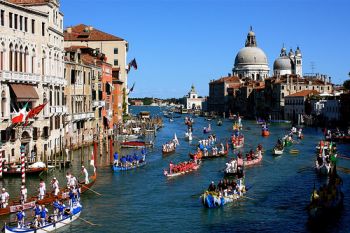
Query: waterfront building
x=115 y=50
x=32 y=72
x=192 y=100
x=81 y=71
x=295 y=105
x=251 y=61
x=326 y=107
x=345 y=108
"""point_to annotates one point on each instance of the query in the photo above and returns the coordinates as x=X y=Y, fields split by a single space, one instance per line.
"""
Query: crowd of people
x=226 y=187
x=326 y=155
x=129 y=160
x=183 y=166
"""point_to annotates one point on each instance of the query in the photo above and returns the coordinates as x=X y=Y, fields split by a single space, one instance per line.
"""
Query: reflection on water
x=144 y=200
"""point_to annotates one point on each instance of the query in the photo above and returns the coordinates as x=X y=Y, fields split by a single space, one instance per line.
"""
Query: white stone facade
x=31 y=54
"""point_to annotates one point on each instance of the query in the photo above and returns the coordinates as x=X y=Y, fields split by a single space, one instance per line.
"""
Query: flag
x=133 y=63
x=175 y=140
x=35 y=111
x=131 y=89
x=20 y=116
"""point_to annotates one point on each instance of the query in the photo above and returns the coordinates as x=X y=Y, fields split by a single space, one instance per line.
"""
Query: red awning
x=24 y=92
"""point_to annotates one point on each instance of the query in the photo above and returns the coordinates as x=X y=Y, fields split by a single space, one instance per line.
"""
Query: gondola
x=135 y=144
x=210 y=155
x=69 y=216
x=256 y=160
x=193 y=166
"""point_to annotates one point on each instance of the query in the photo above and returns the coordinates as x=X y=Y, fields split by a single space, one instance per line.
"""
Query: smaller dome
x=298 y=52
x=282 y=63
x=291 y=53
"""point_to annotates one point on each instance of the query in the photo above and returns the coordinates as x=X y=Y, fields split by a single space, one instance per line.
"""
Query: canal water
x=143 y=200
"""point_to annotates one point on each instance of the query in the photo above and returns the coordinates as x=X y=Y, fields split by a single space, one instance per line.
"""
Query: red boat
x=265 y=133
x=135 y=144
x=15 y=205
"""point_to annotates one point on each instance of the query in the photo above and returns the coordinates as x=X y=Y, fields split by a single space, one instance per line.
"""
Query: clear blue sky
x=180 y=42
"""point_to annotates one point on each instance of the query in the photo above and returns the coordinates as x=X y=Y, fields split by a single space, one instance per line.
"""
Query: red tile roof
x=304 y=93
x=83 y=32
x=29 y=2
x=233 y=79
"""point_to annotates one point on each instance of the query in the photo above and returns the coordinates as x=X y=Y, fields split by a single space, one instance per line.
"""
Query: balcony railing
x=55 y=80
x=99 y=104
x=58 y=109
x=19 y=77
x=83 y=116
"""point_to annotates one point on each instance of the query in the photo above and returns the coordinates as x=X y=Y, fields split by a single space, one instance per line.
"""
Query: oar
x=344 y=169
x=92 y=190
x=92 y=224
x=249 y=198
x=305 y=169
x=268 y=161
x=343 y=157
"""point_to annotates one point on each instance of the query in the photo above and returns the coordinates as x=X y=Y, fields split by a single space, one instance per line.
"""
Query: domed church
x=251 y=61
x=288 y=64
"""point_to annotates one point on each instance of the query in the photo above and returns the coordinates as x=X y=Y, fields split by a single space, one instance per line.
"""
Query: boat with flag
x=212 y=153
x=69 y=215
x=188 y=135
x=170 y=147
x=181 y=168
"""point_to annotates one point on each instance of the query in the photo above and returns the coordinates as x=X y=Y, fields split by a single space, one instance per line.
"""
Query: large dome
x=250 y=56
x=282 y=63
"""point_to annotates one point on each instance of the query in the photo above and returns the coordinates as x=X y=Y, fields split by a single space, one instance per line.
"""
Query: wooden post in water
x=106 y=137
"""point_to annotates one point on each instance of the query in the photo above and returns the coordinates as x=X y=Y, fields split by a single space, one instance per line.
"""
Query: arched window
x=2 y=50
x=11 y=57
x=33 y=61
x=16 y=58
x=43 y=58
x=3 y=104
x=20 y=54
x=46 y=106
x=26 y=53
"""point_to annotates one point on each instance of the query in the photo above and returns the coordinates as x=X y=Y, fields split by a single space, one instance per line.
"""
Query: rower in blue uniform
x=20 y=218
x=61 y=208
x=43 y=215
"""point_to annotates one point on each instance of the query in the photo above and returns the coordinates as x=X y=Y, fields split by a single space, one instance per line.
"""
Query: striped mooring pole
x=23 y=167
x=0 y=165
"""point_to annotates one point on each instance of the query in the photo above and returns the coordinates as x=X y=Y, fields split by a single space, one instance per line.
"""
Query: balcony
x=83 y=116
x=55 y=80
x=98 y=104
x=19 y=77
x=58 y=110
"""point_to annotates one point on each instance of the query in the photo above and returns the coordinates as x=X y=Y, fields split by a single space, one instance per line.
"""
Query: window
x=21 y=23
x=282 y=87
x=2 y=17
x=115 y=62
x=43 y=29
x=33 y=26
x=25 y=24
x=16 y=21
x=10 y=20
x=115 y=50
x=72 y=77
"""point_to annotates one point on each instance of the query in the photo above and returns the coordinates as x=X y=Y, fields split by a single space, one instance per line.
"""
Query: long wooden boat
x=134 y=166
x=237 y=142
x=15 y=204
x=17 y=171
x=67 y=218
x=169 y=174
x=210 y=155
x=135 y=144
x=253 y=162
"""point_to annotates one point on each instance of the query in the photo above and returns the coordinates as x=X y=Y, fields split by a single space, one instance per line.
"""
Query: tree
x=346 y=85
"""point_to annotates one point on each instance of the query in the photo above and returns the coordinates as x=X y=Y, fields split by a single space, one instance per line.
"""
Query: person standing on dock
x=5 y=196
x=85 y=173
x=24 y=194
x=55 y=187
x=42 y=189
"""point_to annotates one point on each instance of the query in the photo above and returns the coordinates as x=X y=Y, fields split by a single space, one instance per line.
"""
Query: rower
x=24 y=194
x=37 y=210
x=115 y=156
x=85 y=173
x=42 y=189
x=212 y=187
x=4 y=198
x=43 y=215
x=20 y=217
x=55 y=205
x=68 y=177
x=61 y=209
x=55 y=187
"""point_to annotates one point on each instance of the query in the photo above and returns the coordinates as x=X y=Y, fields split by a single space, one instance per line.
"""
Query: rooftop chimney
x=69 y=30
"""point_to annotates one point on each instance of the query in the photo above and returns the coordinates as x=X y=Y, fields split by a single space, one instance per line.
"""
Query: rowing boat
x=135 y=144
x=170 y=174
x=276 y=151
x=126 y=168
x=210 y=155
x=67 y=218
x=15 y=205
x=248 y=163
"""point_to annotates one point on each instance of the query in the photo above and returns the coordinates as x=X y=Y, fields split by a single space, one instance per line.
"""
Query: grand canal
x=144 y=200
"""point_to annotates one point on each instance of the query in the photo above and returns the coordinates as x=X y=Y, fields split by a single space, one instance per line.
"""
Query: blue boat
x=128 y=167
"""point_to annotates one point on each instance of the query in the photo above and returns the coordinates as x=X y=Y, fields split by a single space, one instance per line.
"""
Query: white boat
x=50 y=226
x=277 y=151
